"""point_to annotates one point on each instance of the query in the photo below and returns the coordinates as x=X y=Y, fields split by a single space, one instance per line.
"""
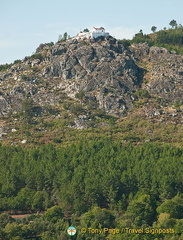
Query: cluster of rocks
x=164 y=71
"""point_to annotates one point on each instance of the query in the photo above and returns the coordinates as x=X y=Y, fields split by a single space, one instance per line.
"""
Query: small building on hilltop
x=98 y=32
x=95 y=32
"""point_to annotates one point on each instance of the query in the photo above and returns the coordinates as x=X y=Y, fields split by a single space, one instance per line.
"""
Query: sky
x=25 y=24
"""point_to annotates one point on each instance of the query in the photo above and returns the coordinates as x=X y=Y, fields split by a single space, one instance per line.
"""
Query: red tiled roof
x=101 y=28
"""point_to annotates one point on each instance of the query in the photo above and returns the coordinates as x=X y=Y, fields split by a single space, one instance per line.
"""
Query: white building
x=95 y=32
x=98 y=32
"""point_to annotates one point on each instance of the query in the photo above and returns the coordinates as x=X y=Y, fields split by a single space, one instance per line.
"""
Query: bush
x=125 y=42
x=177 y=104
x=57 y=140
x=17 y=61
x=37 y=56
x=77 y=109
x=142 y=93
x=53 y=214
x=25 y=78
x=80 y=95
x=142 y=38
x=35 y=69
x=4 y=67
x=50 y=44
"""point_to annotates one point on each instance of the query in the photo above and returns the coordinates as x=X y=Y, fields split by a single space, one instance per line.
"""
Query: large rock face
x=108 y=73
x=164 y=77
x=103 y=69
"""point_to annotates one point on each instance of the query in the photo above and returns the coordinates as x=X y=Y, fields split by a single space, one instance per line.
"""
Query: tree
x=153 y=29
x=164 y=221
x=63 y=37
x=173 y=23
x=60 y=37
x=86 y=30
x=141 y=211
x=174 y=207
x=27 y=111
x=38 y=201
x=141 y=31
x=5 y=219
x=23 y=200
x=13 y=230
x=97 y=218
x=53 y=214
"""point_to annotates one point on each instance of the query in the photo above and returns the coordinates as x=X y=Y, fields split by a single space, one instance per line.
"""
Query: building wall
x=98 y=34
x=84 y=34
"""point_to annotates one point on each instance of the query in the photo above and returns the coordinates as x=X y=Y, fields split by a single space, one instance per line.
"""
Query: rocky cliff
x=164 y=71
x=109 y=75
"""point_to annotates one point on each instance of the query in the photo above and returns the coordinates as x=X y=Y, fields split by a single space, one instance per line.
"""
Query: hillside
x=92 y=85
x=171 y=38
x=91 y=136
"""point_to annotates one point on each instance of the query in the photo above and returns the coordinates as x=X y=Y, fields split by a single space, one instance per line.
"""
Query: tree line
x=171 y=38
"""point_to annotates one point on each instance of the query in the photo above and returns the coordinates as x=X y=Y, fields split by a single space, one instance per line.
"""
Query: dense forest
x=91 y=184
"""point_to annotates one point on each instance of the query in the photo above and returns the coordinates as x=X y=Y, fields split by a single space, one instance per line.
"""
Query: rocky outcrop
x=4 y=106
x=164 y=76
x=93 y=66
x=106 y=72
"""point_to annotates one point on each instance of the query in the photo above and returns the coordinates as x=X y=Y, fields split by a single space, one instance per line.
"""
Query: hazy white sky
x=24 y=24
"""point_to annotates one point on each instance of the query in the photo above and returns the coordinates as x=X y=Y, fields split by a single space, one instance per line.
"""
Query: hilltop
x=90 y=84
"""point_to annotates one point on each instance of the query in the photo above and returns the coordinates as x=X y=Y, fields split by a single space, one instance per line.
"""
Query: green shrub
x=50 y=44
x=37 y=56
x=25 y=78
x=177 y=104
x=53 y=214
x=57 y=140
x=4 y=67
x=35 y=69
x=142 y=93
x=77 y=109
